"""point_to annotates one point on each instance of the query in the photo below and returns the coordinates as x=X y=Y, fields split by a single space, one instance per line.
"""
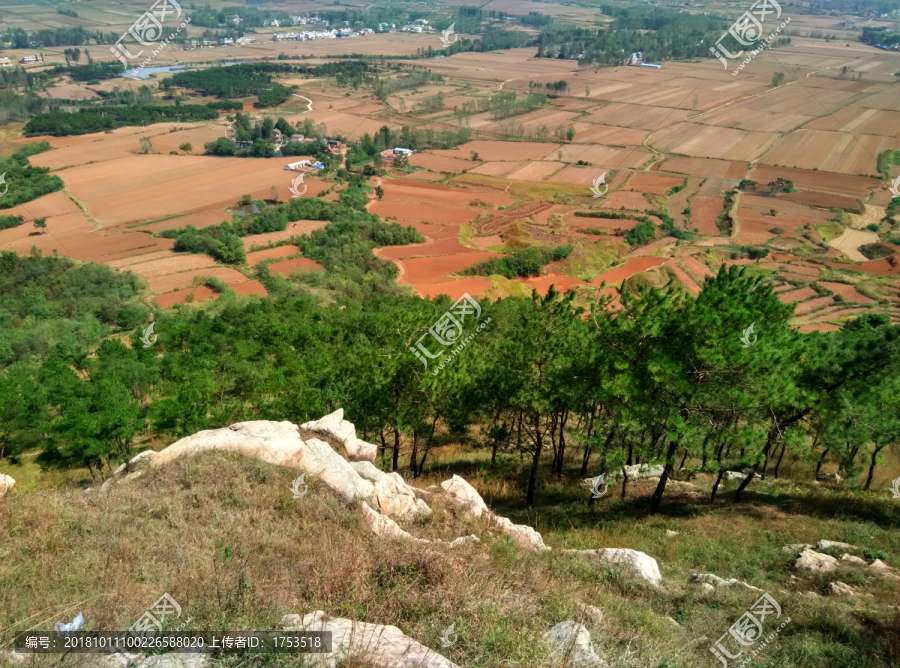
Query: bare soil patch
x=249 y=288
x=186 y=279
x=808 y=179
x=705 y=212
x=200 y=294
x=632 y=266
x=848 y=292
x=287 y=267
x=256 y=257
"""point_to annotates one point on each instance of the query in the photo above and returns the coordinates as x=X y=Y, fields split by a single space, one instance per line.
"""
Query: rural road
x=308 y=100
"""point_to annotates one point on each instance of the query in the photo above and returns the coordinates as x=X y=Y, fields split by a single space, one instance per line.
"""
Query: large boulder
x=7 y=482
x=639 y=563
x=573 y=640
x=462 y=492
x=392 y=496
x=825 y=544
x=376 y=645
x=336 y=426
x=815 y=562
x=638 y=471
x=466 y=495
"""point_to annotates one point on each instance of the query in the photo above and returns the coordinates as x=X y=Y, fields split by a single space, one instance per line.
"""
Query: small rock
x=707 y=589
x=850 y=559
x=796 y=548
x=574 y=640
x=670 y=533
x=716 y=581
x=463 y=540
x=737 y=475
x=884 y=570
x=828 y=477
x=383 y=526
x=825 y=544
x=589 y=612
x=815 y=562
x=809 y=594
x=840 y=589
x=466 y=495
x=672 y=622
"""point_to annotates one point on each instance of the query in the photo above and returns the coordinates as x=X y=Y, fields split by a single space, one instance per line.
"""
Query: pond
x=147 y=72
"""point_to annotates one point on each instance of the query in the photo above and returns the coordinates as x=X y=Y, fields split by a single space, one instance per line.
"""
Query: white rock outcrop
x=384 y=527
x=391 y=496
x=466 y=495
x=589 y=612
x=825 y=544
x=635 y=472
x=884 y=570
x=7 y=482
x=639 y=563
x=854 y=561
x=815 y=562
x=796 y=548
x=840 y=589
x=716 y=581
x=574 y=640
x=376 y=645
x=335 y=425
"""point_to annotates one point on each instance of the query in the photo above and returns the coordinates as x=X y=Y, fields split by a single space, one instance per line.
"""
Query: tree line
x=25 y=183
x=664 y=380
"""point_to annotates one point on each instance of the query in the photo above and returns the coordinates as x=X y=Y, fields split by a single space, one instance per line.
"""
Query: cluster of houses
x=419 y=25
x=225 y=41
x=295 y=21
x=320 y=34
x=26 y=60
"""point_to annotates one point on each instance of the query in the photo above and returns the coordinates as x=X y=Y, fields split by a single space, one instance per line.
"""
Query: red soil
x=542 y=284
x=185 y=279
x=806 y=307
x=427 y=249
x=704 y=213
x=422 y=212
x=601 y=223
x=629 y=200
x=796 y=295
x=696 y=267
x=808 y=179
x=472 y=285
x=882 y=267
x=201 y=294
x=256 y=257
x=848 y=292
x=287 y=267
x=653 y=183
x=249 y=288
x=820 y=199
x=818 y=327
x=632 y=266
x=419 y=271
x=686 y=280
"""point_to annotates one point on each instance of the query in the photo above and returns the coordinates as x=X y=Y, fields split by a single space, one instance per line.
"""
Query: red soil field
x=686 y=280
x=396 y=190
x=542 y=284
x=707 y=167
x=436 y=231
x=632 y=266
x=796 y=268
x=472 y=285
x=54 y=204
x=287 y=267
x=753 y=227
x=441 y=163
x=882 y=267
x=256 y=257
x=704 y=214
x=806 y=307
x=417 y=271
x=164 y=263
x=422 y=212
x=808 y=179
x=185 y=279
x=490 y=151
x=427 y=249
x=653 y=183
x=696 y=267
x=296 y=229
x=824 y=200
x=794 y=277
x=651 y=248
x=249 y=288
x=848 y=292
x=796 y=295
x=169 y=299
x=630 y=200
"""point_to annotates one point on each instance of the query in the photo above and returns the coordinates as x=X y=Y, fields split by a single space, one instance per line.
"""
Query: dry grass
x=223 y=535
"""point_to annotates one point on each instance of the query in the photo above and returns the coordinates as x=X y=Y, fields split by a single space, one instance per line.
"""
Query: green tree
x=777 y=78
x=40 y=224
x=186 y=147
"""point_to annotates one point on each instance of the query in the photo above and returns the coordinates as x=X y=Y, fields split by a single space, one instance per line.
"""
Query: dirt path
x=871 y=214
x=302 y=97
